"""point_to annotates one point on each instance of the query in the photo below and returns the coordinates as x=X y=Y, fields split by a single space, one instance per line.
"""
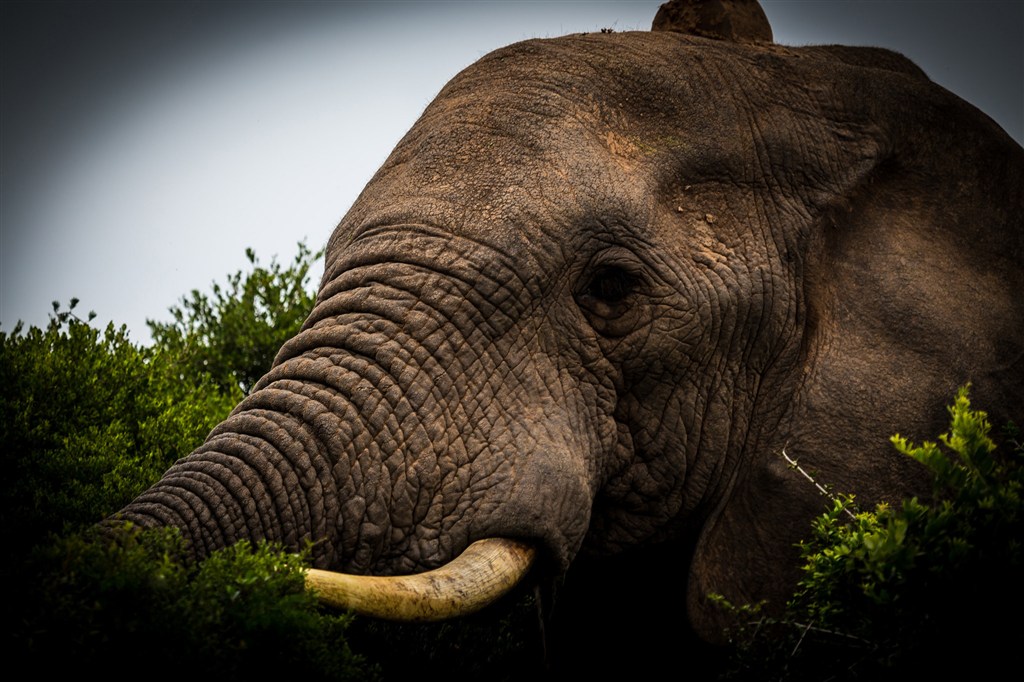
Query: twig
x=810 y=628
x=800 y=641
x=826 y=493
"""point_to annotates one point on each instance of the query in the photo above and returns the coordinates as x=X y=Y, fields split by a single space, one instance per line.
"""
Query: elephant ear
x=909 y=284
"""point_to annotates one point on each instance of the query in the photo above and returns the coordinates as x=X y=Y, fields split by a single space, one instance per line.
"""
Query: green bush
x=90 y=419
x=87 y=421
x=921 y=586
x=234 y=335
x=131 y=609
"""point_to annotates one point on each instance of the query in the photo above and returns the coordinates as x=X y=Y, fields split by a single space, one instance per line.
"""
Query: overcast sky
x=145 y=145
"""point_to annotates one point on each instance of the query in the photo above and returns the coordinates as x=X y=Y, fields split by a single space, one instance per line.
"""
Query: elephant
x=598 y=290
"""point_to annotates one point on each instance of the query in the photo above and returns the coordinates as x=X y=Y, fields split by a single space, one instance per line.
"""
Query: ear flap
x=911 y=282
x=913 y=287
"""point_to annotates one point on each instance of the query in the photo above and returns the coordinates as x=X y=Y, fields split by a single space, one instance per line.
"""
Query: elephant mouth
x=485 y=571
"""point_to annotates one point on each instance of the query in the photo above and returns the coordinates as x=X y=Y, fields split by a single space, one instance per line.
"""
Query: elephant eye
x=611 y=285
x=607 y=299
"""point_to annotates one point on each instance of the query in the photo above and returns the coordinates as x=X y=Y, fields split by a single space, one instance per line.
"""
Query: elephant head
x=599 y=288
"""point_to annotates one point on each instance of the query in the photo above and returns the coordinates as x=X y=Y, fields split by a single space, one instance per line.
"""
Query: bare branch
x=793 y=463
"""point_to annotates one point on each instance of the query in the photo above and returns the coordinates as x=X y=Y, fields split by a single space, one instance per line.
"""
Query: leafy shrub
x=88 y=420
x=130 y=609
x=918 y=587
x=234 y=335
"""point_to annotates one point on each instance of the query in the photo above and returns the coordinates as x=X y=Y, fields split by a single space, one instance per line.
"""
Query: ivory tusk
x=486 y=570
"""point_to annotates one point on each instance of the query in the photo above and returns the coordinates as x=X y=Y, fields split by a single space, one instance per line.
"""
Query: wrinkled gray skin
x=600 y=286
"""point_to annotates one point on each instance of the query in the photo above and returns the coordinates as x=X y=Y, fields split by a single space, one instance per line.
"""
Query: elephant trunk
x=264 y=474
x=260 y=475
x=339 y=451
x=413 y=416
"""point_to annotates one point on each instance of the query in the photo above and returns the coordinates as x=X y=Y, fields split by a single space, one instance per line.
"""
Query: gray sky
x=145 y=145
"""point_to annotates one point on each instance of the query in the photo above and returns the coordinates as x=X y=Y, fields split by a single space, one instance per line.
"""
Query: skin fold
x=600 y=286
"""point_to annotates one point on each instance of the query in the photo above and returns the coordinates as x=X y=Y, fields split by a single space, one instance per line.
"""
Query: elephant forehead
x=564 y=129
x=509 y=158
x=533 y=138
